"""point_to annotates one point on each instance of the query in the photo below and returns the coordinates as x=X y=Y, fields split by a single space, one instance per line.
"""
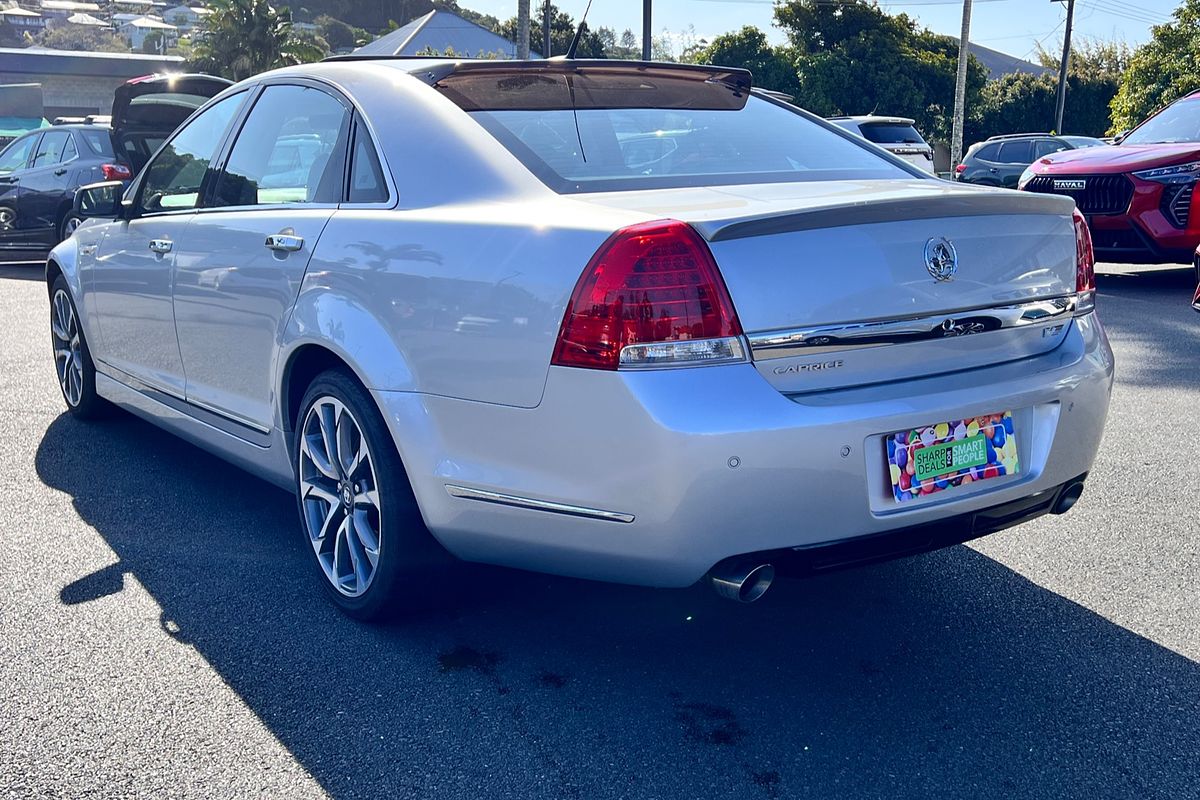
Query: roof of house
x=149 y=23
x=86 y=19
x=437 y=31
x=1000 y=64
x=68 y=5
x=17 y=11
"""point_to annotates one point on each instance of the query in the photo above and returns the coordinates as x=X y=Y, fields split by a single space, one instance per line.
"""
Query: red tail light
x=116 y=172
x=655 y=285
x=960 y=169
x=1085 y=265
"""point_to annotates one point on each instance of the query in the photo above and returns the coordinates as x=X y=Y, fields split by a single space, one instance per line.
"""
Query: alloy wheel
x=339 y=495
x=68 y=355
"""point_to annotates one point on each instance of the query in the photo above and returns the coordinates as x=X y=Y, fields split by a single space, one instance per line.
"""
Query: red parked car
x=1138 y=196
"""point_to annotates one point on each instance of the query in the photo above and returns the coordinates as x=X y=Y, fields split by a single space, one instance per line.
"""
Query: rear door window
x=51 y=148
x=96 y=142
x=1016 y=152
x=989 y=152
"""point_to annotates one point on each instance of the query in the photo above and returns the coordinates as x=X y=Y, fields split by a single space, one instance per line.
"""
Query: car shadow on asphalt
x=942 y=675
x=1167 y=334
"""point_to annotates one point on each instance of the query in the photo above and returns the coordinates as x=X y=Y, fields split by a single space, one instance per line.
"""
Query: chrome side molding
x=468 y=493
x=880 y=333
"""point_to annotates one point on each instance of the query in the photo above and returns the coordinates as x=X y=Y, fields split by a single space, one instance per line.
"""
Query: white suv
x=894 y=134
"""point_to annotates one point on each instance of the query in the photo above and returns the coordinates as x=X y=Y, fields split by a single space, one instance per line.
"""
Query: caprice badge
x=941 y=259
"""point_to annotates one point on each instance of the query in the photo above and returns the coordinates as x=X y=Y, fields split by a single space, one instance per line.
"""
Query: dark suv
x=40 y=171
x=1000 y=160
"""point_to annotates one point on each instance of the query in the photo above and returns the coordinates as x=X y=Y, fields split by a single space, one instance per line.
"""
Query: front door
x=13 y=163
x=133 y=269
x=240 y=267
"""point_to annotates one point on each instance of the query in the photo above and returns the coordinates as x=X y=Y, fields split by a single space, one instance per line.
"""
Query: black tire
x=88 y=404
x=408 y=557
x=65 y=227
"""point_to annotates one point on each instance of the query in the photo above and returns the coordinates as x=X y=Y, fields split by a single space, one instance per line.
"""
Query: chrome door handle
x=284 y=242
x=161 y=245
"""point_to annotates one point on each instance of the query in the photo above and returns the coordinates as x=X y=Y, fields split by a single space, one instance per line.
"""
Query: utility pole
x=1062 y=68
x=646 y=37
x=522 y=29
x=960 y=87
x=546 y=30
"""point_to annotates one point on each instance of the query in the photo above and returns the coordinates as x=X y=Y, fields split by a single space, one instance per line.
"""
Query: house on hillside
x=61 y=9
x=186 y=17
x=22 y=19
x=437 y=32
x=137 y=30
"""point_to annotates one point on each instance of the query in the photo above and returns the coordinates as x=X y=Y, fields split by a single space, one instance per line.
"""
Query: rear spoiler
x=560 y=83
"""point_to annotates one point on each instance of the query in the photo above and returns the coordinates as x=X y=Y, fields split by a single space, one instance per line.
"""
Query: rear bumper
x=924 y=538
x=714 y=462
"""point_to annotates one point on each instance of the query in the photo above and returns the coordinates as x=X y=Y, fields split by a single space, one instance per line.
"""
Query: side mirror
x=100 y=200
x=1120 y=137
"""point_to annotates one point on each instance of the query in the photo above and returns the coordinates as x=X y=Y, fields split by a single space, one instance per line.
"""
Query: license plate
x=933 y=458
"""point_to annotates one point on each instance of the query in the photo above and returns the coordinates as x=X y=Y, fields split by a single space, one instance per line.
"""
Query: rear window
x=989 y=152
x=588 y=133
x=890 y=133
x=1020 y=152
x=97 y=142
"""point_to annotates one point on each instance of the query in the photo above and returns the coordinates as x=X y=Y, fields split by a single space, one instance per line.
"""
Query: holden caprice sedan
x=631 y=322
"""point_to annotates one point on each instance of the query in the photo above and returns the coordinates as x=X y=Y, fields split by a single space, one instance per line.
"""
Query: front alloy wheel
x=72 y=360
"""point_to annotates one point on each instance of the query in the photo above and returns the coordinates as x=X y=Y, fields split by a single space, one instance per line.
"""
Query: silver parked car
x=624 y=321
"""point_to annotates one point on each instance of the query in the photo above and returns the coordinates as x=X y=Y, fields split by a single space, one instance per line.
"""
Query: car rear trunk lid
x=833 y=283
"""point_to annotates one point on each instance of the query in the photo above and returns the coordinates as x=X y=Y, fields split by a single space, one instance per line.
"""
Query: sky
x=1011 y=26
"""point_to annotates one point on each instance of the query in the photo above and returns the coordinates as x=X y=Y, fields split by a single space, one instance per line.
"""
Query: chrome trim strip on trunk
x=881 y=333
x=535 y=505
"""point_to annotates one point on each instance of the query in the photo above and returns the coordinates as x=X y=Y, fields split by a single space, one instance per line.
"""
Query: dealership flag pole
x=960 y=87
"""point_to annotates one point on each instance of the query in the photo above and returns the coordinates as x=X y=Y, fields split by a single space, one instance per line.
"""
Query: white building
x=65 y=8
x=23 y=19
x=186 y=17
x=136 y=31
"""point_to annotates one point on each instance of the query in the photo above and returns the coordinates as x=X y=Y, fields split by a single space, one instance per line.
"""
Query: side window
x=367 y=184
x=174 y=178
x=1016 y=152
x=50 y=149
x=16 y=154
x=1044 y=147
x=292 y=149
x=988 y=152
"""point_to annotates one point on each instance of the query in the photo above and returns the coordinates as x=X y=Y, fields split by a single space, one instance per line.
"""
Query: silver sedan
x=626 y=321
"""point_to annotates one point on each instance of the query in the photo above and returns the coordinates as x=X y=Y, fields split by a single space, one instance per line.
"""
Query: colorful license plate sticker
x=929 y=459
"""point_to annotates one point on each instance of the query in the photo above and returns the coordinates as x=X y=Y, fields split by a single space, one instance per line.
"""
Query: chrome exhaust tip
x=742 y=582
x=1068 y=498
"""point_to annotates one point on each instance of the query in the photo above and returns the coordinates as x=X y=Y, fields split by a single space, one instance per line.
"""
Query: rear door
x=239 y=270
x=1014 y=157
x=44 y=187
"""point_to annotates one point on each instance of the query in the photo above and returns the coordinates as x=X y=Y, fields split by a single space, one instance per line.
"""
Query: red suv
x=1138 y=195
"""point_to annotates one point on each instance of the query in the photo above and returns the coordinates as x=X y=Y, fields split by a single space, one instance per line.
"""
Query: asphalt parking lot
x=161 y=634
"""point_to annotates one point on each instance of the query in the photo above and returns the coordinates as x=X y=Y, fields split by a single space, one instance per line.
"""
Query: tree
x=1162 y=70
x=562 y=31
x=340 y=36
x=241 y=38
x=853 y=58
x=65 y=36
x=772 y=67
